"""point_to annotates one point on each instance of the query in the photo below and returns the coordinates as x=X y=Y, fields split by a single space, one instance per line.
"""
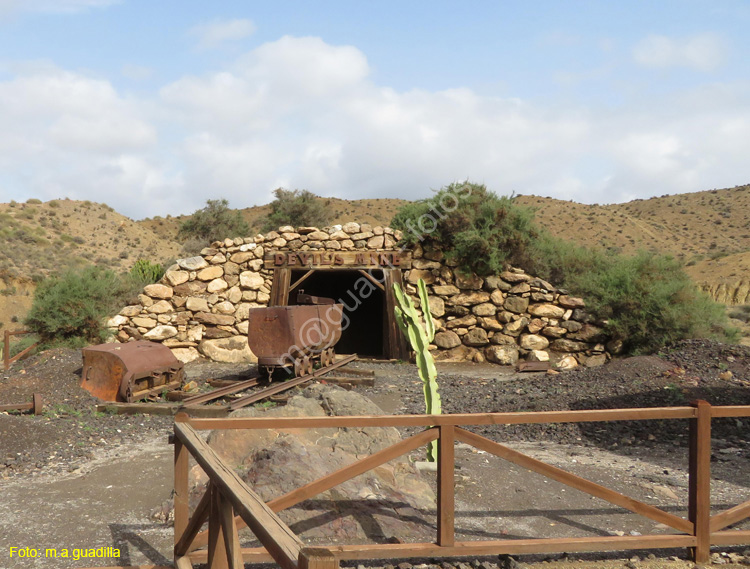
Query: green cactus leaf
x=429 y=324
x=420 y=336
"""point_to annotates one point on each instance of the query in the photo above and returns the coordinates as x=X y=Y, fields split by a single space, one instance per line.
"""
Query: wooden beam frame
x=338 y=477
x=300 y=280
x=283 y=545
x=463 y=419
x=574 y=481
x=227 y=494
x=372 y=279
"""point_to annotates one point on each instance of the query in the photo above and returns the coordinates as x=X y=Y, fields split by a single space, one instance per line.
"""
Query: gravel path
x=68 y=439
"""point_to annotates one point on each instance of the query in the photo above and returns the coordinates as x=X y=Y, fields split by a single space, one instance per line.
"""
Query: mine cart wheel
x=331 y=356
x=307 y=365
x=324 y=361
x=299 y=368
x=37 y=406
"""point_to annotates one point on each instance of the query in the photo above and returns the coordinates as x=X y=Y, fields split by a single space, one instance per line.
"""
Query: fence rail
x=229 y=504
x=7 y=360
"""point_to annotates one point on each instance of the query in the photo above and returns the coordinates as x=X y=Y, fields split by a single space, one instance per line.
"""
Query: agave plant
x=420 y=336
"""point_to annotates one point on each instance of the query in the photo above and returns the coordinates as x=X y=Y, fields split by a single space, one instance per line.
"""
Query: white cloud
x=66 y=134
x=300 y=113
x=703 y=52
x=217 y=32
x=136 y=72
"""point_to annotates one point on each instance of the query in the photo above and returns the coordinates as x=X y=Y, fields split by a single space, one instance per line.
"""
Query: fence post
x=6 y=350
x=181 y=492
x=445 y=486
x=699 y=501
x=317 y=558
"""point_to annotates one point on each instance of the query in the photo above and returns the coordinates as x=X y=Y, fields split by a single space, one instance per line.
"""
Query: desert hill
x=709 y=231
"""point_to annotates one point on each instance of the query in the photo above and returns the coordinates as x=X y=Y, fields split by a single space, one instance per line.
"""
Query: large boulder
x=390 y=500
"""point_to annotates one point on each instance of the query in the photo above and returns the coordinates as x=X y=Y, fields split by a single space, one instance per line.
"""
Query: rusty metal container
x=279 y=334
x=131 y=371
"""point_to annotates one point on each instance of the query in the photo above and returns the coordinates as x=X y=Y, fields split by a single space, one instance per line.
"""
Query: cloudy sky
x=155 y=106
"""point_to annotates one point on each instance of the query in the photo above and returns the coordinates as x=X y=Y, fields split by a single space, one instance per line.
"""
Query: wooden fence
x=7 y=360
x=229 y=504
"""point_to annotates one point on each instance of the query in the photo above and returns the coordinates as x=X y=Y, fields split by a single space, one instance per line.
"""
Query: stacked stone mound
x=508 y=317
x=201 y=306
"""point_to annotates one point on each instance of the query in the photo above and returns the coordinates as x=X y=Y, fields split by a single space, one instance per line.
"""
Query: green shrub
x=647 y=300
x=473 y=226
x=71 y=309
x=214 y=222
x=33 y=201
x=145 y=272
x=297 y=208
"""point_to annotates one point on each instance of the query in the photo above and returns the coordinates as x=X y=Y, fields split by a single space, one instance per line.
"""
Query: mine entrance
x=370 y=329
x=364 y=307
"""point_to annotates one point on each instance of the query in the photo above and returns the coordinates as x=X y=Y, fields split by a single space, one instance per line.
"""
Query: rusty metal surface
x=278 y=388
x=36 y=406
x=279 y=334
x=131 y=371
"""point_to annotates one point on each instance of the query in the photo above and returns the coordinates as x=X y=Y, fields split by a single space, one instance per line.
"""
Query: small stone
x=503 y=355
x=210 y=273
x=161 y=333
x=161 y=307
x=416 y=274
x=484 y=309
x=476 y=337
x=546 y=310
x=217 y=285
x=175 y=278
x=533 y=342
x=251 y=280
x=447 y=340
x=192 y=263
x=516 y=304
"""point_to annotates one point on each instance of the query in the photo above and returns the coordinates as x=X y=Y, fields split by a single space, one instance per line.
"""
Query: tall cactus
x=420 y=337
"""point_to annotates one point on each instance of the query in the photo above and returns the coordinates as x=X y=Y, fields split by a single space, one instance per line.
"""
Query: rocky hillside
x=709 y=231
x=39 y=238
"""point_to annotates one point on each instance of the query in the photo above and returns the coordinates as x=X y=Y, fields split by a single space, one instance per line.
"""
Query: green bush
x=71 y=309
x=473 y=226
x=214 y=222
x=647 y=300
x=297 y=208
x=145 y=272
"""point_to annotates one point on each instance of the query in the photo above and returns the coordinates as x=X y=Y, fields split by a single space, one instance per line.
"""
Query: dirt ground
x=74 y=478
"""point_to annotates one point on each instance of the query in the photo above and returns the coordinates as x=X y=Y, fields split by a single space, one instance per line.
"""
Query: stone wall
x=201 y=306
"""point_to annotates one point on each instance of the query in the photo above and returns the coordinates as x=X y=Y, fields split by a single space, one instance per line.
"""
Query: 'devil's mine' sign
x=338 y=260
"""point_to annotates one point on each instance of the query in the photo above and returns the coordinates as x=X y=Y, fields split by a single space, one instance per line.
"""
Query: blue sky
x=154 y=107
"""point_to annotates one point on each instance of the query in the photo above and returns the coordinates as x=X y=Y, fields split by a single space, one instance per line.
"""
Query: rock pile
x=201 y=306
